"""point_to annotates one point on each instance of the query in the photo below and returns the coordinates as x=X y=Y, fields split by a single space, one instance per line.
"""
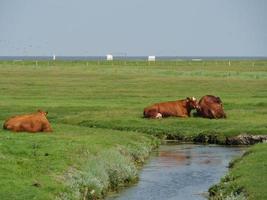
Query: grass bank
x=99 y=106
x=246 y=178
x=71 y=163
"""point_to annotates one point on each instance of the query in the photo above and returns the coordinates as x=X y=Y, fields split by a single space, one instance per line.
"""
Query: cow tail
x=4 y=126
x=144 y=114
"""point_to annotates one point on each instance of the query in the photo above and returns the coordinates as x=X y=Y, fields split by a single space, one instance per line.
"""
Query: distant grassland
x=99 y=106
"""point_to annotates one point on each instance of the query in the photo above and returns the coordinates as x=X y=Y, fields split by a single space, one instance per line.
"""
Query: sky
x=133 y=27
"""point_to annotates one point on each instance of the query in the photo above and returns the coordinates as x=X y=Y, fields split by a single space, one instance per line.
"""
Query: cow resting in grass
x=35 y=122
x=179 y=108
x=210 y=107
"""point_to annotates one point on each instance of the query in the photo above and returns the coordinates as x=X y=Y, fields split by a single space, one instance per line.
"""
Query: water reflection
x=182 y=171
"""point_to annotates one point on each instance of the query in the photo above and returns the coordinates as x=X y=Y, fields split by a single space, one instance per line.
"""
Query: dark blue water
x=135 y=58
x=183 y=172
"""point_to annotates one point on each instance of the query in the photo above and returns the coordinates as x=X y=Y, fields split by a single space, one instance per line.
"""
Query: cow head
x=42 y=112
x=192 y=103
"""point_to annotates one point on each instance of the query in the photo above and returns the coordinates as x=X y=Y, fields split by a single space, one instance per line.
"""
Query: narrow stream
x=184 y=171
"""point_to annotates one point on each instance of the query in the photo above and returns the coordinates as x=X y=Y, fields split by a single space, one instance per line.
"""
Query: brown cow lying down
x=35 y=122
x=211 y=107
x=179 y=108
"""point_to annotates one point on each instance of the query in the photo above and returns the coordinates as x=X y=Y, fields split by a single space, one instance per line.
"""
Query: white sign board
x=151 y=58
x=109 y=57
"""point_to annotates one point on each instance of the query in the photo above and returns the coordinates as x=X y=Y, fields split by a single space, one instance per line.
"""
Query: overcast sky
x=133 y=27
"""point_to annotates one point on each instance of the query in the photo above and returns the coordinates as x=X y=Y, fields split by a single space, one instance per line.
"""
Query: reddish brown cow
x=178 y=158
x=35 y=122
x=179 y=108
x=211 y=107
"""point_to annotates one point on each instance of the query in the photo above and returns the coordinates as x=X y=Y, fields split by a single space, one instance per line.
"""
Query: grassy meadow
x=96 y=108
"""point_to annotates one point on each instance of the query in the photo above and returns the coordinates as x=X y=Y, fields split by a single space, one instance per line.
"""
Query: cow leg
x=213 y=114
x=15 y=129
x=158 y=116
x=31 y=127
x=152 y=114
x=8 y=127
x=46 y=128
x=27 y=127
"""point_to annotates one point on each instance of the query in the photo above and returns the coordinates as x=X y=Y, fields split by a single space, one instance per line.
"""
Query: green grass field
x=96 y=109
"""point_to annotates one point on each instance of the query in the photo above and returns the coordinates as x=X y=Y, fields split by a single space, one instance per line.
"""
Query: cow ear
x=187 y=99
x=46 y=113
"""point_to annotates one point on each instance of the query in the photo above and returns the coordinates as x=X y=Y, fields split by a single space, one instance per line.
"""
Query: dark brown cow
x=210 y=107
x=35 y=122
x=179 y=108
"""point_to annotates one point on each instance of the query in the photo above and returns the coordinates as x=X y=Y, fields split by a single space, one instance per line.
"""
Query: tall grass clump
x=108 y=171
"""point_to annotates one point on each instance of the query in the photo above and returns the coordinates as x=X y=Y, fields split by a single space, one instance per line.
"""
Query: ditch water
x=184 y=171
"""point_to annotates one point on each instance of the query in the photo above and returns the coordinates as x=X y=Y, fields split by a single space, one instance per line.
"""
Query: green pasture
x=96 y=108
x=112 y=95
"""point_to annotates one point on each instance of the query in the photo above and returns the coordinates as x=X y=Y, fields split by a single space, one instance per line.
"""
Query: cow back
x=211 y=107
